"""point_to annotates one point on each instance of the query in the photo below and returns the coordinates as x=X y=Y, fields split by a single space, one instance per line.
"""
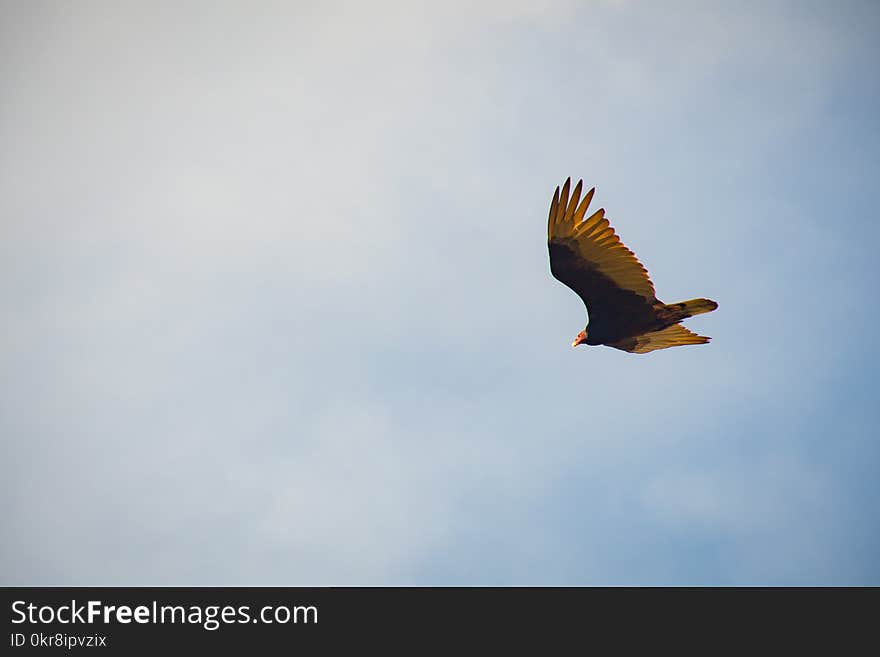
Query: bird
x=622 y=308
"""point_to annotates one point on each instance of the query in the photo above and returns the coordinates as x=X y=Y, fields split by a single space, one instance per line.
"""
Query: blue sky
x=279 y=309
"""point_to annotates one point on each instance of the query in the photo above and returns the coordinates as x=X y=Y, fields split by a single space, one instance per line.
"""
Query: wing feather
x=595 y=245
x=582 y=208
x=563 y=202
x=672 y=336
x=572 y=203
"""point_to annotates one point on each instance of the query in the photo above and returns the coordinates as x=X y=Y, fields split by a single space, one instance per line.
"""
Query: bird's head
x=580 y=339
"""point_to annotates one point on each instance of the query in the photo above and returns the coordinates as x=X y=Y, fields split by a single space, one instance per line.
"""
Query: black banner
x=127 y=620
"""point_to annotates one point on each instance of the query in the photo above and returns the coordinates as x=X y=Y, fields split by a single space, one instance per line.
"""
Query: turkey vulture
x=623 y=310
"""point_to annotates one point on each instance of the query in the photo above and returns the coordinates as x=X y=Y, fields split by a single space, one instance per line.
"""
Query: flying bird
x=624 y=312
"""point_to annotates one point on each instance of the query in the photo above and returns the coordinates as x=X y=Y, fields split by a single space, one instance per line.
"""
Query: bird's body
x=587 y=256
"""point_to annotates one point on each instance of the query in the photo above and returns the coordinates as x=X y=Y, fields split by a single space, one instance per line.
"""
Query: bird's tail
x=684 y=309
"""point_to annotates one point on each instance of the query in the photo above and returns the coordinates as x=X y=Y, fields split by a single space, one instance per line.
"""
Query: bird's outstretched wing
x=596 y=251
x=672 y=336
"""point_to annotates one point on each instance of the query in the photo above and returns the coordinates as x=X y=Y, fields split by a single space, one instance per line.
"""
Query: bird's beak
x=581 y=339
